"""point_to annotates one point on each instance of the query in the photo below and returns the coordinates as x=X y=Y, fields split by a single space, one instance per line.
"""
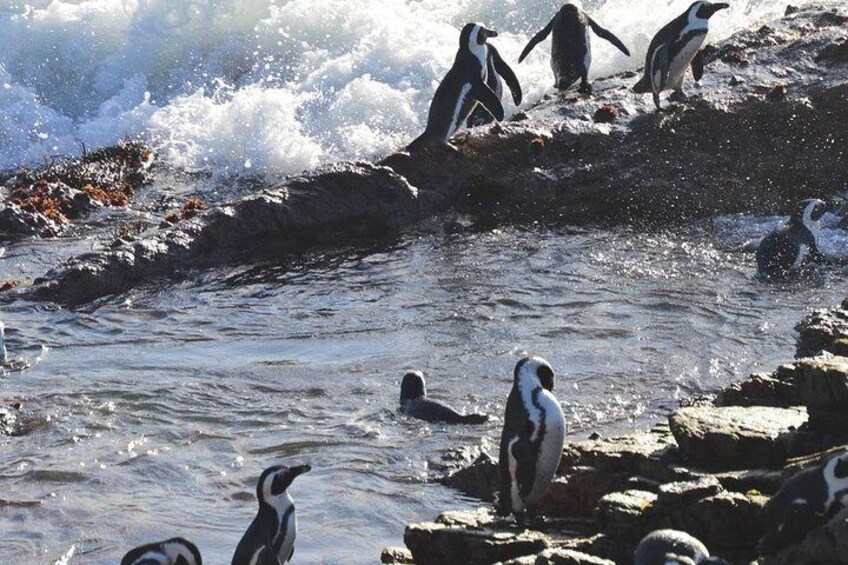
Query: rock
x=605 y=114
x=826 y=544
x=777 y=93
x=761 y=390
x=481 y=479
x=823 y=386
x=622 y=515
x=835 y=53
x=470 y=538
x=738 y=438
x=397 y=555
x=672 y=497
x=820 y=330
x=577 y=494
x=569 y=557
x=647 y=454
x=766 y=481
x=8 y=421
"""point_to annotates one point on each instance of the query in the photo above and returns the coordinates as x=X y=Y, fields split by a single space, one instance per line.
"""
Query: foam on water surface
x=269 y=87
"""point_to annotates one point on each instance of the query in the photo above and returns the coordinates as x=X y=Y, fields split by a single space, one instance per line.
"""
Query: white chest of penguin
x=681 y=62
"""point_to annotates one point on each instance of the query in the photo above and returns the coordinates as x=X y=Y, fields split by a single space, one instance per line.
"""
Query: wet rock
x=773 y=389
x=820 y=330
x=481 y=479
x=823 y=386
x=738 y=438
x=777 y=93
x=826 y=544
x=647 y=454
x=577 y=493
x=736 y=80
x=569 y=557
x=473 y=538
x=622 y=515
x=766 y=481
x=836 y=53
x=397 y=555
x=8 y=421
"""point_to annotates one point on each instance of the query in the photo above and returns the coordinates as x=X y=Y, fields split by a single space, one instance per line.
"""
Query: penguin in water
x=495 y=69
x=674 y=48
x=571 y=49
x=463 y=88
x=532 y=439
x=414 y=401
x=787 y=249
x=804 y=502
x=174 y=551
x=673 y=547
x=270 y=538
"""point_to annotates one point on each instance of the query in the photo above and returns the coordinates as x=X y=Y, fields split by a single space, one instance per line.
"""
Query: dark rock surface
x=823 y=330
x=727 y=150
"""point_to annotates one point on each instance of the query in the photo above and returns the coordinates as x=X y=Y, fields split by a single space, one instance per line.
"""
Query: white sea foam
x=268 y=86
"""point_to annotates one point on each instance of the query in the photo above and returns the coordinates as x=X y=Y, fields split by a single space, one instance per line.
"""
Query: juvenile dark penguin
x=496 y=68
x=674 y=48
x=462 y=89
x=414 y=401
x=804 y=502
x=571 y=46
x=787 y=249
x=673 y=547
x=532 y=439
x=270 y=538
x=174 y=551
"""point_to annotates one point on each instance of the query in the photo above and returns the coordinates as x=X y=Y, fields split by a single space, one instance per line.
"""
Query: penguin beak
x=487 y=33
x=299 y=470
x=718 y=6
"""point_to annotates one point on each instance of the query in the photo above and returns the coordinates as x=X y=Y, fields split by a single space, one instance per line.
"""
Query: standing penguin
x=270 y=538
x=571 y=49
x=461 y=90
x=674 y=48
x=414 y=401
x=532 y=439
x=804 y=502
x=174 y=551
x=496 y=68
x=788 y=248
x=667 y=547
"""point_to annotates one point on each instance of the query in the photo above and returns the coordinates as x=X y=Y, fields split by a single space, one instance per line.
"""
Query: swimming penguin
x=787 y=249
x=270 y=538
x=4 y=355
x=804 y=502
x=414 y=401
x=571 y=49
x=673 y=547
x=174 y=551
x=532 y=439
x=495 y=69
x=461 y=90
x=674 y=48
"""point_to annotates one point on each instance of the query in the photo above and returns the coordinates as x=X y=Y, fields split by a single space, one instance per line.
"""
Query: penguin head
x=571 y=10
x=275 y=480
x=534 y=370
x=413 y=386
x=835 y=473
x=474 y=35
x=174 y=551
x=809 y=215
x=705 y=10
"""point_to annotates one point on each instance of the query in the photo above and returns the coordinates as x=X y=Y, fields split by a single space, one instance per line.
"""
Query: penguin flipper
x=698 y=66
x=506 y=72
x=421 y=142
x=481 y=92
x=608 y=35
x=525 y=473
x=539 y=37
x=643 y=86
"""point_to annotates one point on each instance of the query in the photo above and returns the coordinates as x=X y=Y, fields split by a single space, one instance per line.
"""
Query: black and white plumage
x=462 y=89
x=804 y=502
x=673 y=547
x=414 y=401
x=674 y=48
x=532 y=439
x=496 y=68
x=270 y=538
x=174 y=551
x=571 y=46
x=788 y=249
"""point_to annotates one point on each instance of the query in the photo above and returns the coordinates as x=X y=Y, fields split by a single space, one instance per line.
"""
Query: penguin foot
x=678 y=96
x=585 y=88
x=521 y=521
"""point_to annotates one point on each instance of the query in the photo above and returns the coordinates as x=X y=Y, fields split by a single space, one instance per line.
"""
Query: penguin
x=804 y=502
x=787 y=249
x=414 y=401
x=674 y=48
x=4 y=355
x=571 y=49
x=174 y=551
x=673 y=547
x=463 y=88
x=496 y=68
x=532 y=439
x=270 y=538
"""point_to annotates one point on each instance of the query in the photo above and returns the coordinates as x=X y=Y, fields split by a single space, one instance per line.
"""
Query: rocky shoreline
x=764 y=131
x=709 y=470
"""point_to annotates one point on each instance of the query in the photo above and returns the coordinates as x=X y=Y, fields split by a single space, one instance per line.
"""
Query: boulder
x=821 y=330
x=761 y=389
x=396 y=555
x=622 y=515
x=826 y=544
x=738 y=438
x=577 y=494
x=569 y=557
x=823 y=387
x=481 y=479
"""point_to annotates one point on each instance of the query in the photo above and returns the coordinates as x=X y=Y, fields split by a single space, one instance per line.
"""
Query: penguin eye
x=181 y=561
